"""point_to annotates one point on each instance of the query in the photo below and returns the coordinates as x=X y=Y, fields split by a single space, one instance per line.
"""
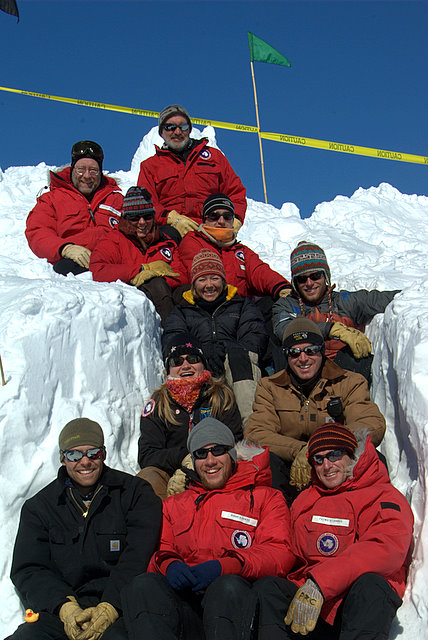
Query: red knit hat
x=331 y=436
x=205 y=262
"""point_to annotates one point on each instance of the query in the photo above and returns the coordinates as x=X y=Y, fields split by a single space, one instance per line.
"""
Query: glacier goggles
x=310 y=350
x=74 y=455
x=171 y=126
x=177 y=361
x=86 y=149
x=216 y=215
x=316 y=275
x=332 y=456
x=216 y=450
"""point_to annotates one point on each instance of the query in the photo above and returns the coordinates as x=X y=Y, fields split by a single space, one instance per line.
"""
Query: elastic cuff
x=230 y=565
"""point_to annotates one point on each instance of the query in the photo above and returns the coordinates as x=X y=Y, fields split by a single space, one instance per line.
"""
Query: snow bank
x=74 y=347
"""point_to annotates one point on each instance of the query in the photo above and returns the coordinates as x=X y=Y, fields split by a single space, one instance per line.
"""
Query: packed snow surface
x=72 y=347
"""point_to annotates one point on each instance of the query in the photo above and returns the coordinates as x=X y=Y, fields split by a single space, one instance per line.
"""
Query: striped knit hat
x=137 y=201
x=308 y=257
x=331 y=436
x=205 y=262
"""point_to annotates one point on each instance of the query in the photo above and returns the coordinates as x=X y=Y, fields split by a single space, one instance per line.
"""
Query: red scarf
x=185 y=391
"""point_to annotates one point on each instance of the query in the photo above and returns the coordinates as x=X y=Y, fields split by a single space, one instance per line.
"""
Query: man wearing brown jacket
x=311 y=391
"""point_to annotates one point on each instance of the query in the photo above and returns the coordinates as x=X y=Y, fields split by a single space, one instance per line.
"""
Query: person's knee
x=228 y=587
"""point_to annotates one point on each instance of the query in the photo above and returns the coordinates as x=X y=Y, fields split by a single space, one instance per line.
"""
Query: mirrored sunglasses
x=216 y=450
x=214 y=215
x=316 y=275
x=171 y=126
x=332 y=456
x=177 y=361
x=73 y=455
x=310 y=350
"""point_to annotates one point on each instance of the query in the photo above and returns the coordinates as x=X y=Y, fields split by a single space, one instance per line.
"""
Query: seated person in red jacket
x=139 y=252
x=229 y=528
x=230 y=328
x=352 y=532
x=66 y=223
x=185 y=171
x=340 y=315
x=243 y=267
x=189 y=394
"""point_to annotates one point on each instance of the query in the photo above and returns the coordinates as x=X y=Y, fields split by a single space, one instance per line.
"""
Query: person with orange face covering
x=244 y=269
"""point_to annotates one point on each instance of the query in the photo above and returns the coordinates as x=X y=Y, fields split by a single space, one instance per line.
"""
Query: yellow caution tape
x=276 y=137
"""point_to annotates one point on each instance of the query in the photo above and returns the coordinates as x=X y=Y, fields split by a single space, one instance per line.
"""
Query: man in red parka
x=225 y=531
x=185 y=171
x=82 y=204
x=352 y=532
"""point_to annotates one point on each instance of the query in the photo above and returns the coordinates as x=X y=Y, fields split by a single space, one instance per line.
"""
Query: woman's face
x=208 y=287
x=185 y=369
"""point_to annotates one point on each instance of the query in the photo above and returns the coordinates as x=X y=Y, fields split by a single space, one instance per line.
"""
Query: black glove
x=205 y=573
x=215 y=354
x=180 y=576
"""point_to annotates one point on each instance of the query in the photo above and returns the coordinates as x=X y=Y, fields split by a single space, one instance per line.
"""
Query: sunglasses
x=177 y=361
x=316 y=275
x=134 y=217
x=171 y=126
x=80 y=149
x=228 y=215
x=73 y=455
x=332 y=456
x=216 y=450
x=310 y=350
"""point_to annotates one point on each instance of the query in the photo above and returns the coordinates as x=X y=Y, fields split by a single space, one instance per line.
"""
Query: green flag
x=261 y=51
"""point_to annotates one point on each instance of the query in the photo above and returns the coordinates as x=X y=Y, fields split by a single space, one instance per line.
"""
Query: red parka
x=63 y=215
x=364 y=525
x=116 y=257
x=183 y=186
x=244 y=269
x=247 y=520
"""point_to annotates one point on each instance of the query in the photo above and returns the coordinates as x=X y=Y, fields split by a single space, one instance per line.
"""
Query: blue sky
x=358 y=76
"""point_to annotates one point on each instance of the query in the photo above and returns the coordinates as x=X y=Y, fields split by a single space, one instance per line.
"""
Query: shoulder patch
x=327 y=544
x=390 y=505
x=205 y=412
x=205 y=154
x=148 y=408
x=241 y=539
x=240 y=255
x=166 y=252
x=113 y=222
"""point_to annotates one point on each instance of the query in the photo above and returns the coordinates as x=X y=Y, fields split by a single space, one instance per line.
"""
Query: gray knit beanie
x=80 y=432
x=211 y=431
x=301 y=329
x=173 y=110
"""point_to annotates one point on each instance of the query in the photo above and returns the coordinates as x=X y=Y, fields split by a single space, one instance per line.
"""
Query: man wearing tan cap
x=80 y=540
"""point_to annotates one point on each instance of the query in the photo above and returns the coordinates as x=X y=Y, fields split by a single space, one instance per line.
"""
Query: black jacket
x=60 y=553
x=163 y=445
x=235 y=326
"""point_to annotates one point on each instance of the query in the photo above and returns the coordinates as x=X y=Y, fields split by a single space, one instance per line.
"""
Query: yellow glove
x=99 y=618
x=237 y=224
x=284 y=292
x=300 y=471
x=183 y=224
x=178 y=482
x=305 y=608
x=161 y=268
x=68 y=614
x=152 y=270
x=80 y=255
x=356 y=340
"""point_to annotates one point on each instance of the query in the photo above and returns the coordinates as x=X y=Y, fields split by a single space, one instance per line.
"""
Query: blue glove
x=204 y=573
x=179 y=575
